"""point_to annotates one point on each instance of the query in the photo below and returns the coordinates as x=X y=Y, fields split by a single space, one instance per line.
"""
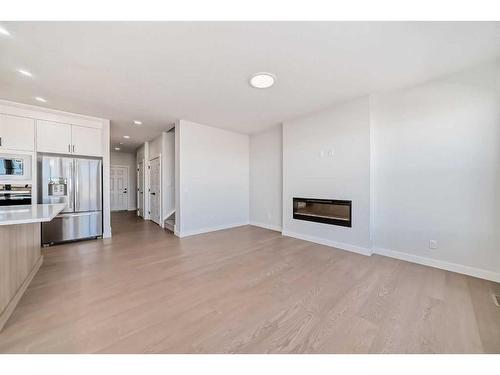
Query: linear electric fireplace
x=327 y=211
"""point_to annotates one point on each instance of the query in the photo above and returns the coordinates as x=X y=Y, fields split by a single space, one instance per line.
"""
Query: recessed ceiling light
x=126 y=136
x=262 y=80
x=4 y=31
x=138 y=122
x=121 y=143
x=117 y=148
x=25 y=73
x=39 y=99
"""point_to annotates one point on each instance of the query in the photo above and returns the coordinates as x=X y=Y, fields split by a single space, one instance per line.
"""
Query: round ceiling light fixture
x=262 y=80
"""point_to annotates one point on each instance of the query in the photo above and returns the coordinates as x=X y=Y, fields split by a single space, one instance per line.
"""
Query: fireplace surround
x=326 y=211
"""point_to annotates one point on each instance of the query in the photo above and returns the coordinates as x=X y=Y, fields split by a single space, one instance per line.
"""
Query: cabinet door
x=53 y=137
x=86 y=141
x=17 y=133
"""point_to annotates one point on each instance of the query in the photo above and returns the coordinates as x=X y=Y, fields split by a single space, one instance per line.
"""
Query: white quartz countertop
x=35 y=213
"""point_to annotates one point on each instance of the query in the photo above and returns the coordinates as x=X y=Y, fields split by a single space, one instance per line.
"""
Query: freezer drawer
x=68 y=227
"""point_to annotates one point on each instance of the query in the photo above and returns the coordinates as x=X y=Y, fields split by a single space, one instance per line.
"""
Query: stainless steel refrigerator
x=77 y=182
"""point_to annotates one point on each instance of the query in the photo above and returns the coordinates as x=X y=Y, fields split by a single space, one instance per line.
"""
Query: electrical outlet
x=433 y=244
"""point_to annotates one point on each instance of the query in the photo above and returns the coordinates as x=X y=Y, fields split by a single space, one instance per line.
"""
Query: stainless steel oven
x=15 y=195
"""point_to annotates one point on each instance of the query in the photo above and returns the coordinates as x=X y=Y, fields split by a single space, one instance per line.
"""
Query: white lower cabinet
x=17 y=133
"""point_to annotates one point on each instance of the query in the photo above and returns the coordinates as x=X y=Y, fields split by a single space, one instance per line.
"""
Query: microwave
x=15 y=167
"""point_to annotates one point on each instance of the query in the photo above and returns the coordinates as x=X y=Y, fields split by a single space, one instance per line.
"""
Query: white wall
x=266 y=175
x=310 y=171
x=213 y=178
x=436 y=172
x=168 y=173
x=128 y=160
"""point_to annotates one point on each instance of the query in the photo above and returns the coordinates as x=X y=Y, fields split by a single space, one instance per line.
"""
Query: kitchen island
x=20 y=250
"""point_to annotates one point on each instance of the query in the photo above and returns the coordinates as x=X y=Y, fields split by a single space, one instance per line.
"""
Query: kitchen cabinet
x=86 y=141
x=17 y=133
x=53 y=137
x=61 y=138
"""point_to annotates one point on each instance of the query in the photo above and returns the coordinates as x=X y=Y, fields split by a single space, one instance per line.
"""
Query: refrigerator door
x=55 y=180
x=75 y=226
x=88 y=185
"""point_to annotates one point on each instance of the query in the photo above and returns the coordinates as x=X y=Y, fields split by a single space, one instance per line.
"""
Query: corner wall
x=212 y=175
x=266 y=176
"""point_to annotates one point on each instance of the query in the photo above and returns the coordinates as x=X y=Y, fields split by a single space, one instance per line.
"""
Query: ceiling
x=157 y=72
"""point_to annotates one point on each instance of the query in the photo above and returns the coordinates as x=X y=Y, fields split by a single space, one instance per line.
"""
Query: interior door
x=155 y=190
x=140 y=189
x=119 y=188
x=88 y=185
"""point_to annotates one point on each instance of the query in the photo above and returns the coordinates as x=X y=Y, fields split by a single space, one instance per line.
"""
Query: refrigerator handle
x=75 y=179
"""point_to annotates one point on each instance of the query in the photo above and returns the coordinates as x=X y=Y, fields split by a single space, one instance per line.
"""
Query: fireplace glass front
x=327 y=211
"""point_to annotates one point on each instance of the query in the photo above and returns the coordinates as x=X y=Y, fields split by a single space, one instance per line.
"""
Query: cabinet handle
x=73 y=148
x=69 y=148
x=0 y=141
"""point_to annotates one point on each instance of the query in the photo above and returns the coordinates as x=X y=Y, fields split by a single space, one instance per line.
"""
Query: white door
x=53 y=137
x=17 y=133
x=155 y=190
x=118 y=181
x=140 y=189
x=86 y=141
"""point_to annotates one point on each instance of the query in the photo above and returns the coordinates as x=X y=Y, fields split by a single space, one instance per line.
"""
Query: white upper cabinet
x=53 y=137
x=68 y=139
x=17 y=133
x=86 y=141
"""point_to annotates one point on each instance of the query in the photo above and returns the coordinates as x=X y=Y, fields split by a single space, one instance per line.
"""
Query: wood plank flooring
x=243 y=290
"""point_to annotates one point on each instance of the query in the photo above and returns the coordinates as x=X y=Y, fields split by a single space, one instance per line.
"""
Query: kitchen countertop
x=35 y=213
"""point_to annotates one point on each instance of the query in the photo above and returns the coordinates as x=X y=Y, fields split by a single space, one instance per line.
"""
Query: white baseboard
x=266 y=226
x=208 y=229
x=436 y=263
x=322 y=241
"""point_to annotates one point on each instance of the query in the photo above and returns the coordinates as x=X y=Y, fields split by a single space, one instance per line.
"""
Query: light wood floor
x=243 y=290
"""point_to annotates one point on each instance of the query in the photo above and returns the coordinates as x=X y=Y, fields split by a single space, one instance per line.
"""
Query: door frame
x=143 y=188
x=160 y=188
x=128 y=183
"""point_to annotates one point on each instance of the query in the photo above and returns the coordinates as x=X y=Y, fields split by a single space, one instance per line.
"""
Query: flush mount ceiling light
x=138 y=122
x=25 y=73
x=39 y=99
x=117 y=148
x=4 y=31
x=262 y=80
x=126 y=136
